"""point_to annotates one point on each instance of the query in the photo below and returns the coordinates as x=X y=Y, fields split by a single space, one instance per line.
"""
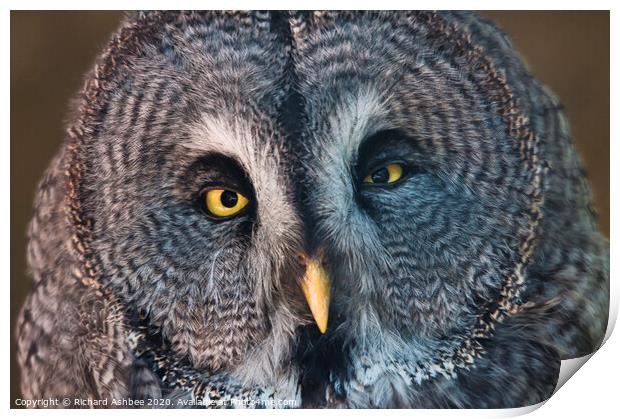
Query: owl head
x=232 y=175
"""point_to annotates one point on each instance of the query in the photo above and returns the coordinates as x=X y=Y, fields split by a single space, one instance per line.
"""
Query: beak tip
x=316 y=288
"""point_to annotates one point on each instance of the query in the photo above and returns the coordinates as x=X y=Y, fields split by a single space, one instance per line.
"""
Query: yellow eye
x=387 y=174
x=223 y=203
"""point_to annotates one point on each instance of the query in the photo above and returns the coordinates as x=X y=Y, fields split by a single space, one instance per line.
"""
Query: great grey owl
x=227 y=176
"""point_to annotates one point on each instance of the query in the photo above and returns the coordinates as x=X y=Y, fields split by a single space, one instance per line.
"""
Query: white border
x=593 y=393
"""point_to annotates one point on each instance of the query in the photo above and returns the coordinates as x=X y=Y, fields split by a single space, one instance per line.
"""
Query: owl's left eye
x=384 y=175
x=223 y=203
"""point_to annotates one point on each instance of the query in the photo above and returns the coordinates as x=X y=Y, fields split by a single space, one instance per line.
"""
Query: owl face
x=371 y=170
x=229 y=176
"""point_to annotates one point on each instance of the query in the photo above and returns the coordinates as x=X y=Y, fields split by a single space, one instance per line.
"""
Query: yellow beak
x=317 y=287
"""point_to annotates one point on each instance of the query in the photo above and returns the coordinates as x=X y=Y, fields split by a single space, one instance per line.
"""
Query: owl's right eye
x=223 y=203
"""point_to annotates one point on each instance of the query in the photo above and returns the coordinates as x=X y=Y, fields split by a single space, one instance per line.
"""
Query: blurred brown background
x=50 y=51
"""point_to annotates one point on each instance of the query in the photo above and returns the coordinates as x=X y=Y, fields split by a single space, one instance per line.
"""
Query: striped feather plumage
x=471 y=302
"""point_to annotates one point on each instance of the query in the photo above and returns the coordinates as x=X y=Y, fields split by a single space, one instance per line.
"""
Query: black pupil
x=229 y=199
x=381 y=176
